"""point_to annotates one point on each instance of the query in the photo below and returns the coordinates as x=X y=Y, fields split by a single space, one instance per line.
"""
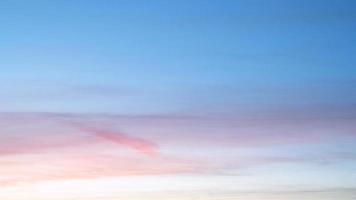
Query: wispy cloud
x=56 y=146
x=76 y=146
x=139 y=144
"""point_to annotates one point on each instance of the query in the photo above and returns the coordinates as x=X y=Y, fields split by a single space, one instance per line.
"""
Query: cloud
x=51 y=166
x=51 y=146
x=41 y=147
x=139 y=144
x=48 y=126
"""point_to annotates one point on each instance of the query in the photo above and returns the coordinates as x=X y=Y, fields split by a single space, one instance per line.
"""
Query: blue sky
x=176 y=46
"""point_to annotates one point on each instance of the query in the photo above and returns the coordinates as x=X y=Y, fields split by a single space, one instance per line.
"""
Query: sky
x=177 y=100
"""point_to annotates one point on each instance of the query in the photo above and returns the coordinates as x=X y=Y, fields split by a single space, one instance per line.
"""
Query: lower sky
x=177 y=100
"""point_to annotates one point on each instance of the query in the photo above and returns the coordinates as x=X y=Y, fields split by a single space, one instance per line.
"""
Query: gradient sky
x=177 y=100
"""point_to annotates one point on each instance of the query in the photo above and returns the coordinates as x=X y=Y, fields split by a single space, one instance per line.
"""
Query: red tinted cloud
x=139 y=144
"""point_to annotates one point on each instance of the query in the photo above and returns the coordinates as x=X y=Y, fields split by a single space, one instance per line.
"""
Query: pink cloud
x=37 y=147
x=54 y=165
x=139 y=144
x=49 y=147
x=32 y=133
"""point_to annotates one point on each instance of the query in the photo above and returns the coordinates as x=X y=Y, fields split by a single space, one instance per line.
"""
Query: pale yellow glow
x=177 y=187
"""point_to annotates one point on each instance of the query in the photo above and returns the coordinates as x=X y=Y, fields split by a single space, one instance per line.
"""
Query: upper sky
x=241 y=98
